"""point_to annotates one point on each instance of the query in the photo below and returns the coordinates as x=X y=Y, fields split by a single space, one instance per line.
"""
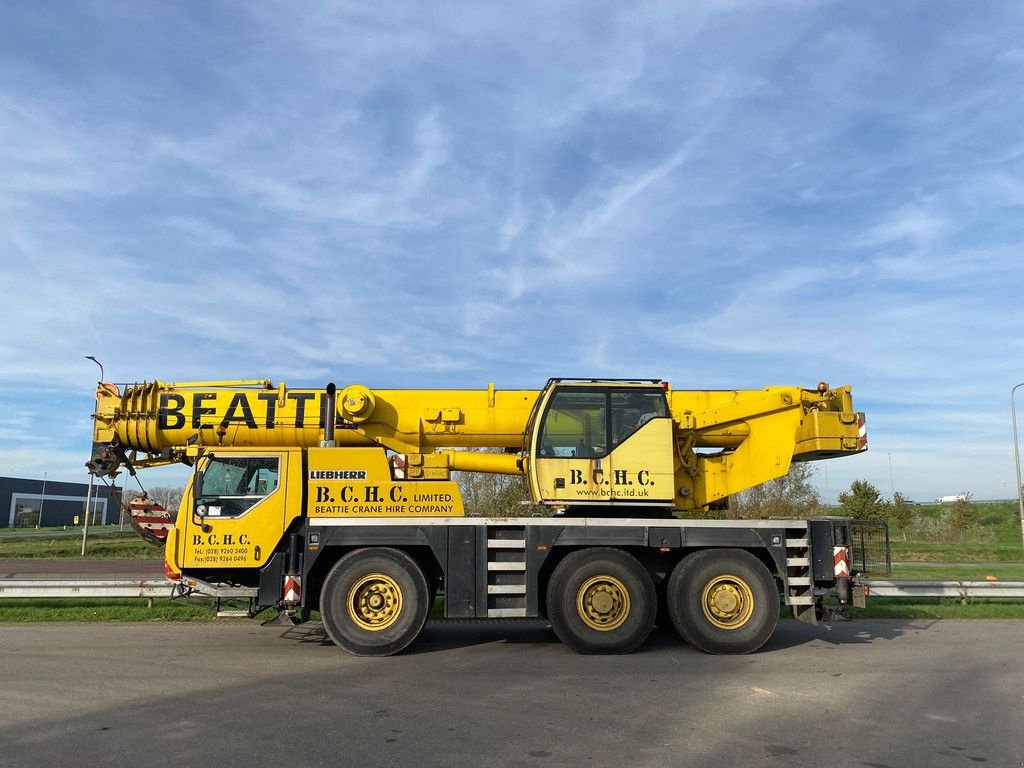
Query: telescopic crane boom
x=580 y=442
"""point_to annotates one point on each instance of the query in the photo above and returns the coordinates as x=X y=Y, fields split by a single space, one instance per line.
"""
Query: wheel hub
x=602 y=602
x=374 y=602
x=727 y=601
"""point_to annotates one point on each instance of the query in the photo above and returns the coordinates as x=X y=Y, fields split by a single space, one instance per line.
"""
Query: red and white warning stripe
x=841 y=561
x=862 y=432
x=292 y=588
x=398 y=466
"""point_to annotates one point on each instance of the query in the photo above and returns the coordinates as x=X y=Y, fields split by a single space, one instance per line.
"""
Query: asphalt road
x=872 y=693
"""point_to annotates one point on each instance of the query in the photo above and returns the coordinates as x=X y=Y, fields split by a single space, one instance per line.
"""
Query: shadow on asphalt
x=448 y=634
x=451 y=634
x=792 y=633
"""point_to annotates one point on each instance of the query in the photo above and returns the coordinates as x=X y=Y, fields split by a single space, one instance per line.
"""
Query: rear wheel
x=601 y=600
x=374 y=602
x=723 y=601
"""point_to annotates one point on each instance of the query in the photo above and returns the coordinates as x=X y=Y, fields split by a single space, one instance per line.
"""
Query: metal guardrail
x=98 y=530
x=65 y=588
x=960 y=589
x=109 y=588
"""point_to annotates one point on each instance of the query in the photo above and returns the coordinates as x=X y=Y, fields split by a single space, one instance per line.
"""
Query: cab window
x=632 y=408
x=232 y=485
x=575 y=425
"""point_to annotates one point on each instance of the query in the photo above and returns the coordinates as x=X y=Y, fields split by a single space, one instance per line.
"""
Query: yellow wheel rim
x=374 y=602
x=727 y=601
x=603 y=603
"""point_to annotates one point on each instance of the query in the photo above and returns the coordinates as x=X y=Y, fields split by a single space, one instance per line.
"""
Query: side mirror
x=199 y=509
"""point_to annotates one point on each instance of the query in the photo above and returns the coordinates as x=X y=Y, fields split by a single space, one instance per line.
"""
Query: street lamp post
x=88 y=511
x=42 y=501
x=1016 y=457
x=88 y=493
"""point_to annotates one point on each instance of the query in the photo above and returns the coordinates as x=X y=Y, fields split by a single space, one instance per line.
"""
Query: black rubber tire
x=565 y=585
x=335 y=613
x=684 y=594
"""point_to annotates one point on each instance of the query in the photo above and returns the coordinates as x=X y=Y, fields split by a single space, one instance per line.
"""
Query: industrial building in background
x=38 y=503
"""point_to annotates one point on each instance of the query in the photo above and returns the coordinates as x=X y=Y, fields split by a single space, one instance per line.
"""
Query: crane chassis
x=353 y=511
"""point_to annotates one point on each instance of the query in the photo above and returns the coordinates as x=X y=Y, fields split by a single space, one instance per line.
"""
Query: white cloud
x=721 y=194
x=610 y=203
x=916 y=226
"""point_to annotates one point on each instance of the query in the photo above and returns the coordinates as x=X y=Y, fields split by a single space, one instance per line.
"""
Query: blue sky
x=723 y=194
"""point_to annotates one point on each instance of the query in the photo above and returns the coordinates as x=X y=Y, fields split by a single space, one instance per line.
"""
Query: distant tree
x=863 y=501
x=901 y=513
x=786 y=496
x=492 y=495
x=963 y=515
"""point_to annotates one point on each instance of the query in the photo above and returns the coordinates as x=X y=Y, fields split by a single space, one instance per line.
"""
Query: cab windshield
x=590 y=422
x=233 y=484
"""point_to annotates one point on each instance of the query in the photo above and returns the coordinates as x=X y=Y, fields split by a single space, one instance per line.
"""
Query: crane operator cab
x=602 y=442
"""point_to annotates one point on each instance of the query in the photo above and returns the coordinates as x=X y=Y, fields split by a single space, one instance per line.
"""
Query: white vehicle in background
x=963 y=496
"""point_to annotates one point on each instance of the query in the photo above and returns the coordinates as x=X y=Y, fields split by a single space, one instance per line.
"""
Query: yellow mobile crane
x=343 y=501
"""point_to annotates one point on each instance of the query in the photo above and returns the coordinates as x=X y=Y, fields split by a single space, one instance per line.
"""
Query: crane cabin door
x=246 y=499
x=601 y=444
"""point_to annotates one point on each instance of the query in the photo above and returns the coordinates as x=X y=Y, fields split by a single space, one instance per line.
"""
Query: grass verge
x=959 y=572
x=939 y=608
x=106 y=546
x=127 y=609
x=994 y=535
x=979 y=552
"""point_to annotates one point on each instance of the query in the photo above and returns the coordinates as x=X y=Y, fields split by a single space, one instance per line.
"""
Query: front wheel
x=374 y=602
x=601 y=600
x=723 y=601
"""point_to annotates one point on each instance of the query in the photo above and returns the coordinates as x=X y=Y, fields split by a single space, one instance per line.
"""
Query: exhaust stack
x=330 y=414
